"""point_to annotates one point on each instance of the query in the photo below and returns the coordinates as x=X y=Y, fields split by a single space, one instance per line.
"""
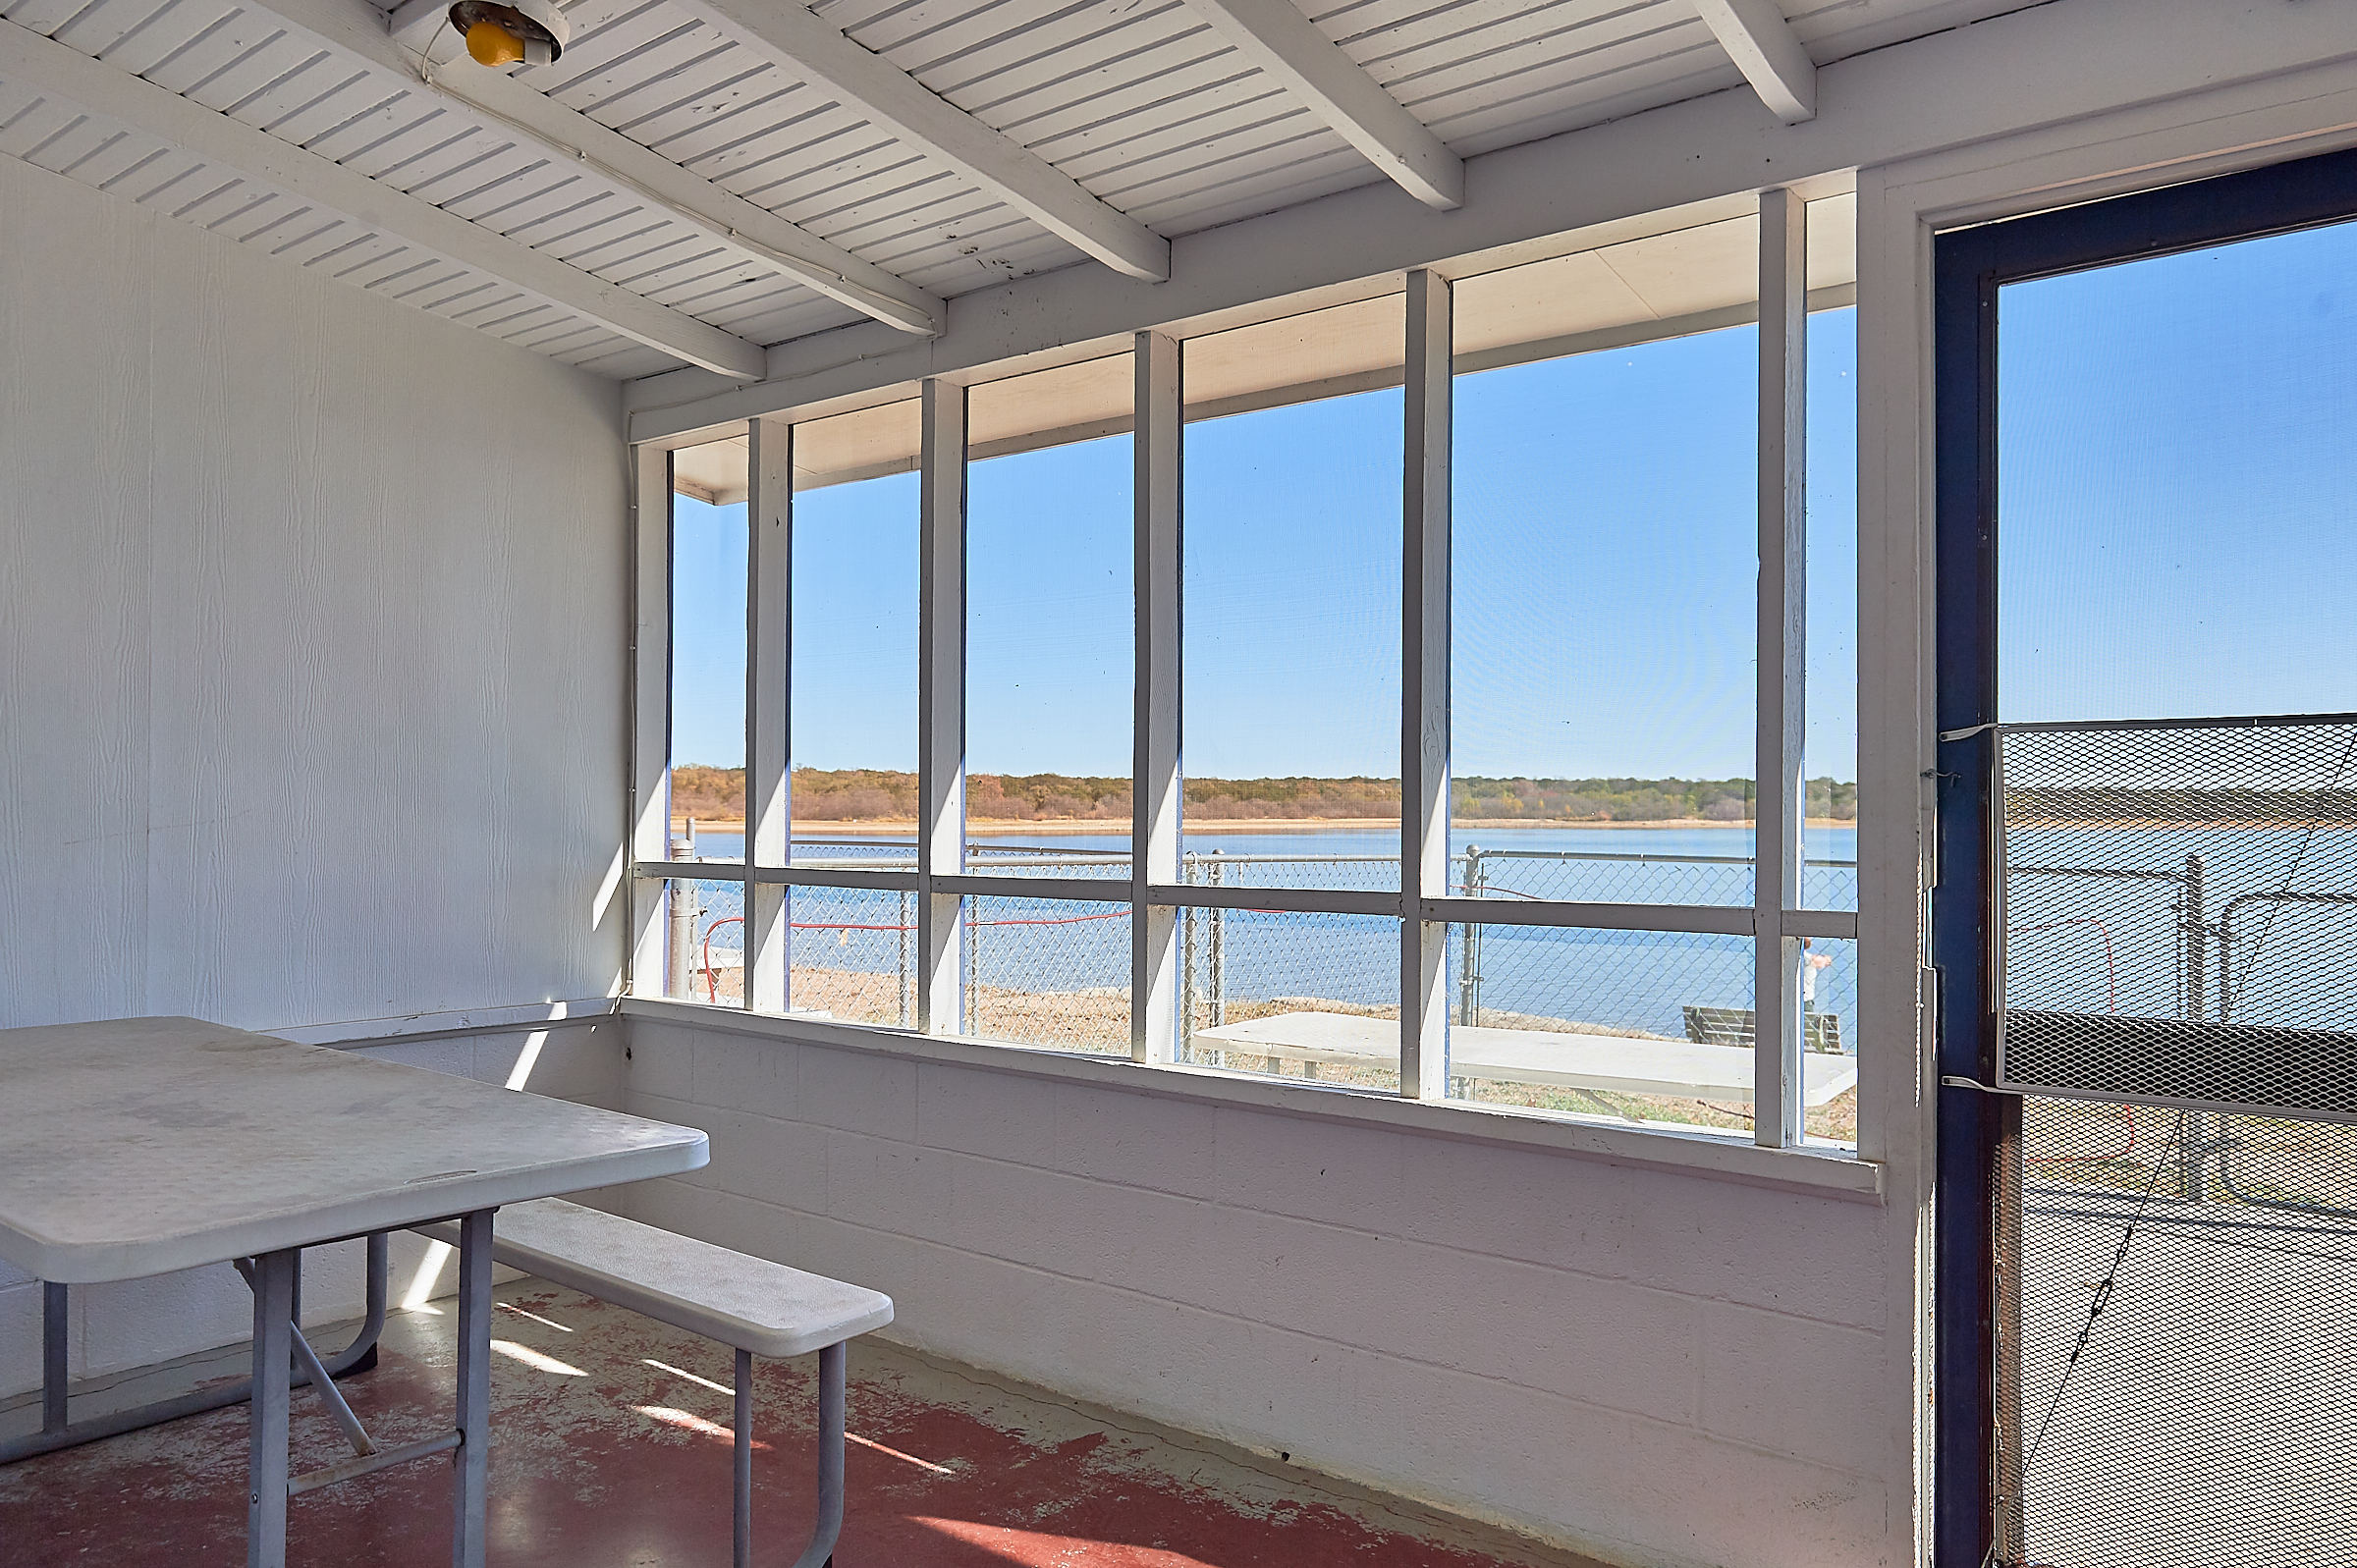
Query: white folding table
x=140 y=1146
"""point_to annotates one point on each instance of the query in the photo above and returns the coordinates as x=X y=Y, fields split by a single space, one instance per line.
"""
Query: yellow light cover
x=493 y=44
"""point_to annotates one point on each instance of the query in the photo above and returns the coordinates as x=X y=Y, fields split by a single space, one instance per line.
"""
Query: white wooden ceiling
x=645 y=163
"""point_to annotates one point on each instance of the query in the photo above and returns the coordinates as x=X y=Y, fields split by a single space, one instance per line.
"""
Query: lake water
x=1621 y=979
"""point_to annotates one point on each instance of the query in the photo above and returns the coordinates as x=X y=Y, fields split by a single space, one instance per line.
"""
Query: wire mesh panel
x=2177 y=1382
x=2179 y=907
x=854 y=952
x=1046 y=972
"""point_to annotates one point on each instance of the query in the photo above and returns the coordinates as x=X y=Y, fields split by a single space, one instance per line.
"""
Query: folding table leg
x=744 y=1459
x=53 y=1356
x=266 y=1430
x=473 y=1460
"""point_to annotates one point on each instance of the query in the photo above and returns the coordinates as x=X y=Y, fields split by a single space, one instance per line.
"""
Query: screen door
x=2146 y=929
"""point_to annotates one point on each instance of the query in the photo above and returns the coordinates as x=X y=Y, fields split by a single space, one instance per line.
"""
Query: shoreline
x=996 y=827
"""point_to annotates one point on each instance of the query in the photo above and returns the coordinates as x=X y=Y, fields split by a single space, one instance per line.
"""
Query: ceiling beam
x=113 y=93
x=358 y=32
x=1764 y=48
x=790 y=37
x=415 y=22
x=1288 y=47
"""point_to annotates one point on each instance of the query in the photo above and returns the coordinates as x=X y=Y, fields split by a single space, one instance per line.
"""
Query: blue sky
x=1605 y=560
x=2178 y=485
x=2178 y=496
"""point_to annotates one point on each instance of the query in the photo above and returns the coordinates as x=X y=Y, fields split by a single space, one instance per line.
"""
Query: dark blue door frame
x=1969 y=266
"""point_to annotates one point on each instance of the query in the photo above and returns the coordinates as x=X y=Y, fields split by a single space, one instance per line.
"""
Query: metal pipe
x=1467 y=1004
x=471 y=1471
x=973 y=966
x=357 y=1356
x=908 y=998
x=370 y=1463
x=1187 y=966
x=821 y=1551
x=744 y=1459
x=53 y=1356
x=1217 y=961
x=337 y=1408
x=2196 y=1159
x=273 y=1280
x=682 y=929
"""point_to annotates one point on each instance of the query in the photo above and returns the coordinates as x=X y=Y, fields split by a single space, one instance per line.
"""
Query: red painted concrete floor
x=611 y=1450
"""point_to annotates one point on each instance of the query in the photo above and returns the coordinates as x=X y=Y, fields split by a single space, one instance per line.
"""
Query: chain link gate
x=2176 y=1194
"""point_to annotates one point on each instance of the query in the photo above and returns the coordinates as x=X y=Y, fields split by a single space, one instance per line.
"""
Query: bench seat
x=749 y=1303
x=758 y=1306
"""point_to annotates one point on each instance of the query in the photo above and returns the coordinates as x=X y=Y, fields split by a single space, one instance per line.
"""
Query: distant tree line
x=854 y=795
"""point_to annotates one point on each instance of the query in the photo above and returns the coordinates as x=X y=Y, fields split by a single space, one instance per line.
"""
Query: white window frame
x=942 y=880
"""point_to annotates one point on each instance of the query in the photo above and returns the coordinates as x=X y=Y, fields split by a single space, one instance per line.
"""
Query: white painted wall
x=1658 y=1367
x=312 y=609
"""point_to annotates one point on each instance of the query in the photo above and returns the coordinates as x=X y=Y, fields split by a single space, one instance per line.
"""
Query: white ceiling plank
x=353 y=29
x=1762 y=43
x=798 y=42
x=192 y=129
x=1288 y=47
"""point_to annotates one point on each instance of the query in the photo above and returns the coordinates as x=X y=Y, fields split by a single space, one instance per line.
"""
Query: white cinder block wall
x=310 y=681
x=1662 y=1368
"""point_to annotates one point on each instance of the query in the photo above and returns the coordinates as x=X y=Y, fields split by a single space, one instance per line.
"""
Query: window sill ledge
x=1826 y=1168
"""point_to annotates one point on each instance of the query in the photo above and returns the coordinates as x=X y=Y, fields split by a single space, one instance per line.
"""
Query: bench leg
x=820 y=1553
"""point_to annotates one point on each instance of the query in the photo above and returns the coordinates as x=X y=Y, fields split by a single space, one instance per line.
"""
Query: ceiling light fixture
x=517 y=31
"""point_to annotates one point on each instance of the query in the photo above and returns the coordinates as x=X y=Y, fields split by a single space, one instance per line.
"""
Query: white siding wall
x=1665 y=1369
x=310 y=662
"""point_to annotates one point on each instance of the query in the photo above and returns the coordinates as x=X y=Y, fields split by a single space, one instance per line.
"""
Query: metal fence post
x=1468 y=979
x=683 y=920
x=1218 y=978
x=907 y=998
x=2196 y=1159
x=973 y=966
x=1186 y=965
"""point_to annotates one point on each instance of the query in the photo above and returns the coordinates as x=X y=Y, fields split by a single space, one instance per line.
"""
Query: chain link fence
x=1056 y=972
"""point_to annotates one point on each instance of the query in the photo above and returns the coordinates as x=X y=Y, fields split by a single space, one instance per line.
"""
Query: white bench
x=755 y=1306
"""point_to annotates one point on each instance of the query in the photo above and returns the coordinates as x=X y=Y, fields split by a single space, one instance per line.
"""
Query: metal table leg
x=744 y=1459
x=58 y=1433
x=266 y=1433
x=472 y=1459
x=53 y=1358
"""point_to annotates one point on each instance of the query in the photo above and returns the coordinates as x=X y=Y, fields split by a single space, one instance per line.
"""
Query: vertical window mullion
x=941 y=705
x=649 y=827
x=1424 y=690
x=1157 y=791
x=768 y=697
x=1781 y=792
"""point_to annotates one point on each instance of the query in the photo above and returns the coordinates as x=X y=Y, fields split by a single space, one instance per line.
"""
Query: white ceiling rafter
x=110 y=93
x=358 y=32
x=1769 y=53
x=1288 y=47
x=798 y=42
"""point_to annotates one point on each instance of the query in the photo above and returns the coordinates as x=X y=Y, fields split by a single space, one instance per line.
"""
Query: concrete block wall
x=1660 y=1367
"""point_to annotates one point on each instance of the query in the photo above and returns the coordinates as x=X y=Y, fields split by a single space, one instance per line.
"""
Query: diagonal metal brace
x=354 y=1433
